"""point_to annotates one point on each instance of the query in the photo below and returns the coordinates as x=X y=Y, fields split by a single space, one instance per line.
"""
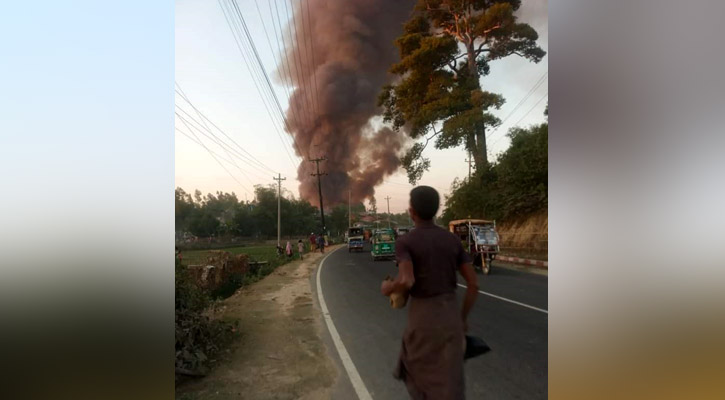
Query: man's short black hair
x=425 y=201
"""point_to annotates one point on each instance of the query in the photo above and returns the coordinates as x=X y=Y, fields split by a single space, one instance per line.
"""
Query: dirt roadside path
x=280 y=353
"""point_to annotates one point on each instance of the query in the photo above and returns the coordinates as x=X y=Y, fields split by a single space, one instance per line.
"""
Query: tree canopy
x=445 y=48
x=515 y=185
x=223 y=214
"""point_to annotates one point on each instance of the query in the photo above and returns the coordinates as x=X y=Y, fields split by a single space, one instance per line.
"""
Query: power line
x=264 y=72
x=299 y=108
x=228 y=16
x=532 y=108
x=275 y=54
x=310 y=67
x=215 y=159
x=297 y=60
x=183 y=120
x=211 y=136
x=524 y=116
x=204 y=117
x=219 y=141
x=258 y=164
x=520 y=103
x=312 y=46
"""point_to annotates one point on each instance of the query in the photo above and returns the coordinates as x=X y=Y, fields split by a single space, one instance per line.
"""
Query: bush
x=198 y=338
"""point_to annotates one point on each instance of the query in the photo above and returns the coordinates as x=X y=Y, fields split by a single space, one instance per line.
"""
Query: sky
x=212 y=74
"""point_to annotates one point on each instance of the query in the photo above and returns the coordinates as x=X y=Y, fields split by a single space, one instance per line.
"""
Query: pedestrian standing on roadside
x=300 y=248
x=313 y=242
x=288 y=250
x=321 y=243
x=431 y=356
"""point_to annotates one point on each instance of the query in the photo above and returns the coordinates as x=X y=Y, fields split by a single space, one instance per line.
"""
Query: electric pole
x=349 y=214
x=469 y=161
x=388 y=199
x=319 y=186
x=279 y=180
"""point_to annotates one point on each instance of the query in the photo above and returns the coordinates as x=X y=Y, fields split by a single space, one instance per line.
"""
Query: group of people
x=316 y=242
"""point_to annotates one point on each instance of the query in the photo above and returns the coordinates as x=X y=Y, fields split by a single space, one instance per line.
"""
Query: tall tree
x=445 y=48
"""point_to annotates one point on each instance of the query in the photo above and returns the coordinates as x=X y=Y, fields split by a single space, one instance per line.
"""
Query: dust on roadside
x=280 y=354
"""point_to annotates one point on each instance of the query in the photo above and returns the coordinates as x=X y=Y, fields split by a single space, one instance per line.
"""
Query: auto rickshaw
x=383 y=244
x=355 y=239
x=479 y=238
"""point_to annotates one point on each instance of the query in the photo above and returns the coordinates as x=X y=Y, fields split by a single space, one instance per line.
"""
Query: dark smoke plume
x=335 y=93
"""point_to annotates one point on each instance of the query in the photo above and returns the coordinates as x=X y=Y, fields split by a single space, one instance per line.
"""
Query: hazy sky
x=211 y=72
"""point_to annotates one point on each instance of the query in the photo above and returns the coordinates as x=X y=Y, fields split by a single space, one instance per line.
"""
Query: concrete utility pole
x=349 y=214
x=319 y=186
x=469 y=161
x=279 y=180
x=388 y=199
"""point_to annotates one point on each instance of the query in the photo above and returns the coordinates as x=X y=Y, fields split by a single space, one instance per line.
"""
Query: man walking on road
x=321 y=243
x=313 y=242
x=431 y=358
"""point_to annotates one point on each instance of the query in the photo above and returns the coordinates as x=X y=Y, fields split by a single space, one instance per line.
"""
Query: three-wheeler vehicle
x=383 y=244
x=355 y=239
x=479 y=238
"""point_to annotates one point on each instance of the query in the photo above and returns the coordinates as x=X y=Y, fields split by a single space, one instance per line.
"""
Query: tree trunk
x=477 y=137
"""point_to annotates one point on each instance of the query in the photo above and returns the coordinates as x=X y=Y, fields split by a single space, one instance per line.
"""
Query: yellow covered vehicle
x=479 y=238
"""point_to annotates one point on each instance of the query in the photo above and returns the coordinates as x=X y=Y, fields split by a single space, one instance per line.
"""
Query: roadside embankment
x=280 y=353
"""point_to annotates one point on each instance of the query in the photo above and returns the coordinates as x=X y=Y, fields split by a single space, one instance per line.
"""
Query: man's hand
x=386 y=288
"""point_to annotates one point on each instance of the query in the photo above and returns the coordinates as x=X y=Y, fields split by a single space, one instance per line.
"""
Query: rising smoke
x=337 y=66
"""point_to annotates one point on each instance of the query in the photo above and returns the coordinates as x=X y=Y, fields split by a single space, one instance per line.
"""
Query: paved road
x=371 y=331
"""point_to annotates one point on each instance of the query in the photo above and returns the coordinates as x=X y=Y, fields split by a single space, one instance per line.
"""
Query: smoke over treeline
x=337 y=65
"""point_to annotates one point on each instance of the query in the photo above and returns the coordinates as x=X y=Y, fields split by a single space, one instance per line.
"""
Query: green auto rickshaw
x=383 y=244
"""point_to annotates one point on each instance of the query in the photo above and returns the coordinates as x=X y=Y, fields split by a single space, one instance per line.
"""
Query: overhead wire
x=520 y=103
x=275 y=55
x=264 y=72
x=314 y=64
x=258 y=74
x=228 y=16
x=211 y=136
x=297 y=60
x=310 y=67
x=205 y=118
x=225 y=146
x=188 y=126
x=524 y=116
x=217 y=160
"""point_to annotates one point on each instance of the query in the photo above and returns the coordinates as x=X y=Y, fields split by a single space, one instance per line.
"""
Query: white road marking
x=509 y=300
x=357 y=383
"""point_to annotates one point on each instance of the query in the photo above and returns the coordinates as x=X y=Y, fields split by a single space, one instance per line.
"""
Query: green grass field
x=266 y=254
x=255 y=253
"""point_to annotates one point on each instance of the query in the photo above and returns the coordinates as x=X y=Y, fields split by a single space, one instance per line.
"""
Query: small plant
x=198 y=338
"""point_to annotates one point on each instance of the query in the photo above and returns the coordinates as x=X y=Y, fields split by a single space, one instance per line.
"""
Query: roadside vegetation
x=199 y=338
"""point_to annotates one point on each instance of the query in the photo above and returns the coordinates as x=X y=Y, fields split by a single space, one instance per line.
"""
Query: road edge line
x=509 y=300
x=352 y=374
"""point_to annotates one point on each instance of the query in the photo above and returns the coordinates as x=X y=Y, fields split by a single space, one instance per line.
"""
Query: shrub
x=198 y=337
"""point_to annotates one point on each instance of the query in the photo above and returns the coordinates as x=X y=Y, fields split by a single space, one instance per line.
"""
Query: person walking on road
x=313 y=242
x=300 y=248
x=321 y=243
x=431 y=357
x=288 y=250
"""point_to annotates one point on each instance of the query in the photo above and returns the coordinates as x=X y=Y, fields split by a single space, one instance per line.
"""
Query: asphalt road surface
x=371 y=331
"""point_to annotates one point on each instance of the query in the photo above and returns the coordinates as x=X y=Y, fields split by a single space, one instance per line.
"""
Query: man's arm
x=403 y=282
x=466 y=270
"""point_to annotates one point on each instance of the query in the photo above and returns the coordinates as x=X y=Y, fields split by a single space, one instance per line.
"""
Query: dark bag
x=475 y=346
